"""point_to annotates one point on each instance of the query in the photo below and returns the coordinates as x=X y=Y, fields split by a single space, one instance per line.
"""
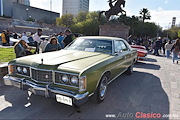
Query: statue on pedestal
x=115 y=8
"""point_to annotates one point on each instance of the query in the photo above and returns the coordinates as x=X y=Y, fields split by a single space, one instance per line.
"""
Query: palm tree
x=145 y=14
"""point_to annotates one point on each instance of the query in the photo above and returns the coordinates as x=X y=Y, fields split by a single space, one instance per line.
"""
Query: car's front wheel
x=101 y=90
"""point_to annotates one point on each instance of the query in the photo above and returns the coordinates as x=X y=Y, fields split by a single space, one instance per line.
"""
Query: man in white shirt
x=37 y=40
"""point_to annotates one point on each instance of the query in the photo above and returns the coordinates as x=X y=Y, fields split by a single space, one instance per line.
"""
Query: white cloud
x=164 y=17
x=159 y=8
x=167 y=1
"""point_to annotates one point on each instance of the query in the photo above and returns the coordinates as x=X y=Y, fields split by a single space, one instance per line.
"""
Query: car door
x=121 y=56
x=128 y=54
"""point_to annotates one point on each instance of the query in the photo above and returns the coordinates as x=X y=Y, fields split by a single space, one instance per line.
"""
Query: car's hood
x=69 y=58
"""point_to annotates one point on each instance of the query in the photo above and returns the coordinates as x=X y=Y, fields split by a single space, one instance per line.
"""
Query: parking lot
x=154 y=87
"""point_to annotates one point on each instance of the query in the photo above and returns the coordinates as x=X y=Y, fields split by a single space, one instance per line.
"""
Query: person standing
x=15 y=36
x=53 y=45
x=168 y=47
x=21 y=48
x=7 y=34
x=175 y=50
x=43 y=45
x=3 y=38
x=163 y=47
x=60 y=39
x=157 y=46
x=37 y=40
x=68 y=38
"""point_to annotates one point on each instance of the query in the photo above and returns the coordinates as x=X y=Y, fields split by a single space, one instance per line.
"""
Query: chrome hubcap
x=103 y=87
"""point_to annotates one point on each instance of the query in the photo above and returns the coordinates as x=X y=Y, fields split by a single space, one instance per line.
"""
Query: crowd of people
x=25 y=44
x=167 y=47
x=5 y=36
x=164 y=45
x=61 y=40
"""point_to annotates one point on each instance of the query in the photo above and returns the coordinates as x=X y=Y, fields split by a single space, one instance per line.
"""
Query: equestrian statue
x=115 y=8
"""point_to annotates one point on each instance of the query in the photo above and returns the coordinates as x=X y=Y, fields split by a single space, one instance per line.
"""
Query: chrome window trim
x=113 y=47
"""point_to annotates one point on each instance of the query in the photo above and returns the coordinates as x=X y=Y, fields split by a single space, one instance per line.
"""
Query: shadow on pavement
x=139 y=92
x=147 y=66
x=151 y=60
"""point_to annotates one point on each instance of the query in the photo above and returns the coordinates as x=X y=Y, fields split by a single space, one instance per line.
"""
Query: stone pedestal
x=114 y=30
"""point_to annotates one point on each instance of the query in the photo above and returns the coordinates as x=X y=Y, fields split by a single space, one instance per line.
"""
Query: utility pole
x=50 y=5
x=51 y=11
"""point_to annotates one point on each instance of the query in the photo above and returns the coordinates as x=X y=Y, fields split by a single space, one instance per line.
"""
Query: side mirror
x=119 y=51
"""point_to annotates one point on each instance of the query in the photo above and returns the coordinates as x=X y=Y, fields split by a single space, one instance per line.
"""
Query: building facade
x=21 y=9
x=24 y=12
x=25 y=2
x=75 y=6
x=6 y=6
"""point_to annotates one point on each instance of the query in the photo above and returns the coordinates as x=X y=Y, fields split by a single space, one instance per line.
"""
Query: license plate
x=64 y=99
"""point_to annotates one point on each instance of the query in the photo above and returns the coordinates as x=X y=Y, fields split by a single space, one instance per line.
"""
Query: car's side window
x=117 y=46
x=124 y=47
x=120 y=46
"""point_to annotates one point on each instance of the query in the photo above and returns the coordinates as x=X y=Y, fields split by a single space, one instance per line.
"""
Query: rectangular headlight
x=11 y=69
x=82 y=84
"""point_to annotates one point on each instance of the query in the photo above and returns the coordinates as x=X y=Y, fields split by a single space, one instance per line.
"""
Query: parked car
x=72 y=75
x=32 y=42
x=142 y=52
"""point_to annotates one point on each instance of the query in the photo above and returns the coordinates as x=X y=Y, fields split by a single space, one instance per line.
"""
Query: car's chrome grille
x=42 y=75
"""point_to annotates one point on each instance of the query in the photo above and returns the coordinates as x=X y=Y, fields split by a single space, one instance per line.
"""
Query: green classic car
x=73 y=75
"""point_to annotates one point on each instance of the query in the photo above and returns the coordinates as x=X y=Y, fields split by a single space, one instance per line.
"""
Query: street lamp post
x=27 y=9
x=168 y=29
x=51 y=11
x=69 y=22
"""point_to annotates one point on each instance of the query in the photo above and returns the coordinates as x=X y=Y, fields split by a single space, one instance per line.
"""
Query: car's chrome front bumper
x=47 y=91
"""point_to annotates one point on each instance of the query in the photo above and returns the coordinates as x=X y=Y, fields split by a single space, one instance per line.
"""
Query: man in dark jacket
x=157 y=46
x=68 y=39
x=7 y=34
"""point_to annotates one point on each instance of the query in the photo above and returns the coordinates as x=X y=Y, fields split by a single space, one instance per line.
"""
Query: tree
x=89 y=26
x=145 y=14
x=81 y=16
x=173 y=32
x=66 y=20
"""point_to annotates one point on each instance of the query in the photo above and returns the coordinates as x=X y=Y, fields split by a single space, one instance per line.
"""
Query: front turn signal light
x=82 y=84
x=11 y=69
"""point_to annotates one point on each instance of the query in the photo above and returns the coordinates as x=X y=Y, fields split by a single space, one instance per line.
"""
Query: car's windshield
x=91 y=45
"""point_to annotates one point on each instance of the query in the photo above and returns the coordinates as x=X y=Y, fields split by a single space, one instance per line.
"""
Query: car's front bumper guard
x=47 y=91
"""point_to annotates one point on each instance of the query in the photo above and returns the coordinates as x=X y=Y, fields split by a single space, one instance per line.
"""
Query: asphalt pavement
x=153 y=89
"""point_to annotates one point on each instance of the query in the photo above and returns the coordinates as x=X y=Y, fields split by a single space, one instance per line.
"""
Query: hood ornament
x=42 y=61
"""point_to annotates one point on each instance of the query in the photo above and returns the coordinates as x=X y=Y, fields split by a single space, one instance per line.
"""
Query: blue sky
x=161 y=11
